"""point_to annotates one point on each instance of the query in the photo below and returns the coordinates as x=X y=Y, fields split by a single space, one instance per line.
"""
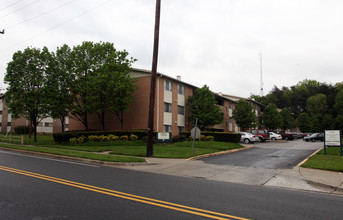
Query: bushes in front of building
x=22 y=129
x=102 y=138
x=64 y=137
x=217 y=136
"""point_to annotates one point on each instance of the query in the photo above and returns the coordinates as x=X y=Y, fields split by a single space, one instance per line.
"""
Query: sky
x=225 y=44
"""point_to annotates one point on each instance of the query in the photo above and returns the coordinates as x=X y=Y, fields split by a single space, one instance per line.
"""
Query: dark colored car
x=261 y=133
x=287 y=136
x=315 y=137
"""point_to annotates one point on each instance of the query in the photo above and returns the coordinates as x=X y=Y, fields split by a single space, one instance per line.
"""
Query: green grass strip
x=70 y=153
x=332 y=161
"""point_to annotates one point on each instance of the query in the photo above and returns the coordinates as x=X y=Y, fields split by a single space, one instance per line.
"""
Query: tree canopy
x=271 y=118
x=27 y=85
x=244 y=115
x=202 y=105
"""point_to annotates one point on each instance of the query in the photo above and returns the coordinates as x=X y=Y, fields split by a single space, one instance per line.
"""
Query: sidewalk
x=332 y=181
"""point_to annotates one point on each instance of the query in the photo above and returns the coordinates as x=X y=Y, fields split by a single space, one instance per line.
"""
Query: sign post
x=333 y=138
x=195 y=133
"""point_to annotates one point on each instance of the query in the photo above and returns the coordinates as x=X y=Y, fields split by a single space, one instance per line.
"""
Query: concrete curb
x=316 y=182
x=219 y=153
x=77 y=159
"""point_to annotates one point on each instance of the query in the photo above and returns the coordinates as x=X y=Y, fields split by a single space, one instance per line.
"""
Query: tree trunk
x=62 y=118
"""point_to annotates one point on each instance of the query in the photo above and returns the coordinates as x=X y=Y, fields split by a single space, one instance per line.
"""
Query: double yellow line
x=141 y=199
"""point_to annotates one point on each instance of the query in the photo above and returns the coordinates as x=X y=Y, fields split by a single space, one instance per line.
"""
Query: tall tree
x=60 y=82
x=112 y=87
x=288 y=121
x=202 y=105
x=271 y=118
x=26 y=76
x=244 y=115
x=316 y=105
x=304 y=122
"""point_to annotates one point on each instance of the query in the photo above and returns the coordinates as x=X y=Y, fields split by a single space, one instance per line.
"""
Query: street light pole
x=149 y=151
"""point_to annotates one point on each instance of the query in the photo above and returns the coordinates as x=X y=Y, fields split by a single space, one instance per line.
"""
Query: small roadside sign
x=163 y=137
x=332 y=138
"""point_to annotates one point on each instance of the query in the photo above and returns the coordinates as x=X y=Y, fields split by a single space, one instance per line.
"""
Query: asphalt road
x=38 y=188
x=269 y=155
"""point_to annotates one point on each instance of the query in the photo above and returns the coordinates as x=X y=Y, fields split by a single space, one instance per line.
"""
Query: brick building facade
x=170 y=109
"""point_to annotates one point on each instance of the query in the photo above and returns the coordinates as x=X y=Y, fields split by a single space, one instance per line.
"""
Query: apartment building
x=170 y=109
x=7 y=123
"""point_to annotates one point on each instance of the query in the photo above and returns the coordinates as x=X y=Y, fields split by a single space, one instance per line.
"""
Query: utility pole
x=149 y=149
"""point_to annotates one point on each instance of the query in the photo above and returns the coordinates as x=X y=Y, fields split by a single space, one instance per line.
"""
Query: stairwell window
x=167 y=85
x=181 y=110
x=167 y=107
x=181 y=89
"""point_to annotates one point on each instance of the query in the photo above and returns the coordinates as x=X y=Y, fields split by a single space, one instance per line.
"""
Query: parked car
x=247 y=138
x=261 y=133
x=314 y=137
x=287 y=136
x=273 y=136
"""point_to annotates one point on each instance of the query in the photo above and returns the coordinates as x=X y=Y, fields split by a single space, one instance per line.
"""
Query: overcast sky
x=212 y=42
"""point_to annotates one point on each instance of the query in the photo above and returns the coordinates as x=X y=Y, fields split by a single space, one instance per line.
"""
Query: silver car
x=247 y=138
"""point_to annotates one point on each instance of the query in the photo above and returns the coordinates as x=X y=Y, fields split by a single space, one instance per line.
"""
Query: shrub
x=178 y=138
x=202 y=138
x=93 y=138
x=209 y=138
x=190 y=138
x=65 y=136
x=22 y=129
x=113 y=137
x=133 y=137
x=218 y=136
x=74 y=140
x=124 y=137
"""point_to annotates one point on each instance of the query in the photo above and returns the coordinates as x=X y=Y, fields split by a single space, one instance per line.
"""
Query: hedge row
x=218 y=136
x=66 y=136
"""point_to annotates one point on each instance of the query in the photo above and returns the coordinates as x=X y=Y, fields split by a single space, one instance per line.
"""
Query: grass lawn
x=131 y=148
x=138 y=148
x=331 y=161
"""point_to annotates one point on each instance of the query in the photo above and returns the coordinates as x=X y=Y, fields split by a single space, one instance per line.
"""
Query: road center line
x=141 y=199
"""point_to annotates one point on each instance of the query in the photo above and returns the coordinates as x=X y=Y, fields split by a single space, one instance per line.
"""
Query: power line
x=56 y=26
x=37 y=16
x=10 y=5
x=19 y=9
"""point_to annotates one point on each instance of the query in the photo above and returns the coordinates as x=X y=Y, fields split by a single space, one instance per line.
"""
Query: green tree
x=59 y=84
x=304 y=122
x=202 y=105
x=288 y=121
x=112 y=87
x=26 y=94
x=316 y=105
x=244 y=115
x=271 y=118
x=339 y=102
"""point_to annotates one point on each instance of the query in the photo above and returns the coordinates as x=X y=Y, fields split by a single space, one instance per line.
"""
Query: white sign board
x=332 y=138
x=163 y=135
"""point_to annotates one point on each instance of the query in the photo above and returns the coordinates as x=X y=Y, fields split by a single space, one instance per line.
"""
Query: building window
x=48 y=124
x=180 y=129
x=181 y=110
x=166 y=128
x=66 y=126
x=181 y=89
x=230 y=105
x=8 y=123
x=167 y=107
x=167 y=85
x=0 y=112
